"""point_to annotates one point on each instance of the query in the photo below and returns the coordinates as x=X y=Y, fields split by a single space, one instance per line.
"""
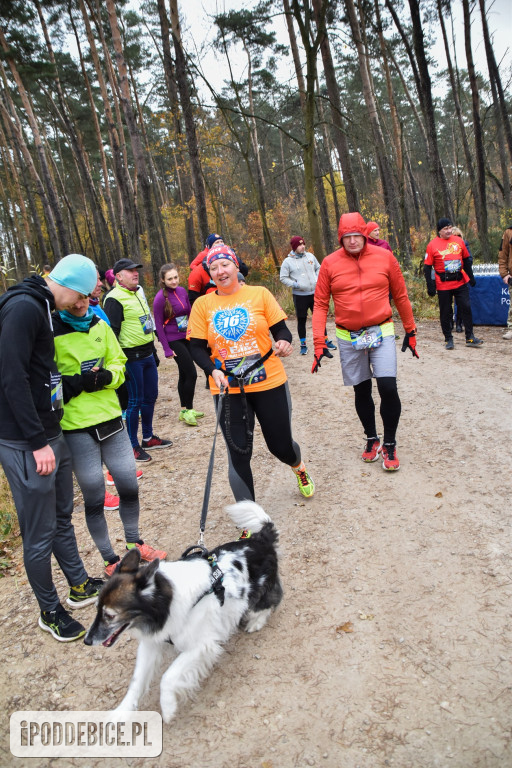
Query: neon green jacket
x=135 y=325
x=76 y=352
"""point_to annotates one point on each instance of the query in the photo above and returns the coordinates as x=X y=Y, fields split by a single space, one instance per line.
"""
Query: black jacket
x=28 y=372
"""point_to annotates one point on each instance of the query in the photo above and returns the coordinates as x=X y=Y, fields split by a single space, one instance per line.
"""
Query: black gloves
x=316 y=364
x=472 y=282
x=93 y=381
x=409 y=342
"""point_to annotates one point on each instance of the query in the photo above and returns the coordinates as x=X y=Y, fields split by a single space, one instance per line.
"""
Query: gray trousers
x=117 y=453
x=45 y=506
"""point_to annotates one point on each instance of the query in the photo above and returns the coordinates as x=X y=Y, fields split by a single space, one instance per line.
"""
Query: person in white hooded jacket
x=299 y=271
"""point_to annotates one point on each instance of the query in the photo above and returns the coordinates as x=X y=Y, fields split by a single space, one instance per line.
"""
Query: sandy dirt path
x=417 y=563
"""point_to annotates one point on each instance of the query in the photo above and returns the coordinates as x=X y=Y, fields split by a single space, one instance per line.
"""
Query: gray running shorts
x=357 y=365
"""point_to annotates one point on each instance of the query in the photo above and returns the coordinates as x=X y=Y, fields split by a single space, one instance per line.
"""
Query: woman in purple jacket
x=171 y=309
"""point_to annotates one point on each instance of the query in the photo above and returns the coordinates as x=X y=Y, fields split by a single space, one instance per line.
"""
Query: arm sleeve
x=281 y=332
x=115 y=313
x=321 y=306
x=431 y=284
x=468 y=269
x=504 y=254
x=200 y=356
x=284 y=275
x=20 y=328
x=72 y=386
x=115 y=359
x=400 y=295
x=159 y=315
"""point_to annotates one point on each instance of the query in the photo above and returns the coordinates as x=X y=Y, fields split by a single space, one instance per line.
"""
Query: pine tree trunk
x=60 y=242
x=190 y=129
x=339 y=132
x=481 y=197
x=185 y=191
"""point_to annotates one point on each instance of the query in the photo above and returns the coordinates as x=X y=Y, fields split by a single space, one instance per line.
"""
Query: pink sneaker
x=111 y=502
x=110 y=479
x=148 y=554
x=372 y=450
x=390 y=460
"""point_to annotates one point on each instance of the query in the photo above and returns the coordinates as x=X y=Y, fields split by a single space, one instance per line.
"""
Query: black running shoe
x=84 y=594
x=61 y=625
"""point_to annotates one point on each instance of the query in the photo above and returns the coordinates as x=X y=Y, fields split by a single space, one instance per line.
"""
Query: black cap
x=125 y=264
x=442 y=223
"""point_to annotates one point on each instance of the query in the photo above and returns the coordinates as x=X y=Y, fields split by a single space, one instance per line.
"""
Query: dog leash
x=209 y=474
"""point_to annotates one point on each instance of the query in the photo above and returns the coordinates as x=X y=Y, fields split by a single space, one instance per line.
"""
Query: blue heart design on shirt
x=231 y=323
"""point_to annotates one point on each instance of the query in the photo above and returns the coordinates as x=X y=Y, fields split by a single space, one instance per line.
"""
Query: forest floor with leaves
x=392 y=644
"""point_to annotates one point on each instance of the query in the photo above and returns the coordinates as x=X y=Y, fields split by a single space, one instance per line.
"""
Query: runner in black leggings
x=233 y=324
x=273 y=409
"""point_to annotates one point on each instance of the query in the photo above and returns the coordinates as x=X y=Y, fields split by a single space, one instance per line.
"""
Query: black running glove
x=93 y=381
x=409 y=342
x=316 y=364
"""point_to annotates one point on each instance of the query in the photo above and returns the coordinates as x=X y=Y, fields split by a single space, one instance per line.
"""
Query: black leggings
x=302 y=304
x=187 y=373
x=273 y=409
x=461 y=296
x=390 y=407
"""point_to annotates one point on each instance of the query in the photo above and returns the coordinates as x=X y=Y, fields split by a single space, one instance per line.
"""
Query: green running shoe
x=188 y=417
x=305 y=483
x=197 y=414
x=61 y=625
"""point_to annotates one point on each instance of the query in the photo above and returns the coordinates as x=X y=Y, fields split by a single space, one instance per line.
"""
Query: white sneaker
x=508 y=334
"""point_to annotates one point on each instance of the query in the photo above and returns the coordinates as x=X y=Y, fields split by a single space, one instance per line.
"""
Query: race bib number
x=56 y=391
x=182 y=322
x=452 y=265
x=232 y=323
x=366 y=338
x=147 y=323
x=88 y=365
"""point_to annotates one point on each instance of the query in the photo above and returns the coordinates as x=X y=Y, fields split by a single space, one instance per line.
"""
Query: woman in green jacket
x=92 y=365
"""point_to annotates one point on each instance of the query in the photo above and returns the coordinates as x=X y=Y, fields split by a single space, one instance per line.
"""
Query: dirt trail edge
x=392 y=645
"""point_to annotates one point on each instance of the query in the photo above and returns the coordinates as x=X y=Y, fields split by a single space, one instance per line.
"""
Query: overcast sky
x=198 y=27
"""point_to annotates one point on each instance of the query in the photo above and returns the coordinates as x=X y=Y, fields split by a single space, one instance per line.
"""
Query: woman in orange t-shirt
x=235 y=322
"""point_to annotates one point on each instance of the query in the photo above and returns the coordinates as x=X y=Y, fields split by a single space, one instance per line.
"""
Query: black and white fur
x=170 y=603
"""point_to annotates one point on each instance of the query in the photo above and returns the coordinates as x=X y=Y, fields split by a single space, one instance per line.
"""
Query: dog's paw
x=168 y=707
x=256 y=621
x=119 y=712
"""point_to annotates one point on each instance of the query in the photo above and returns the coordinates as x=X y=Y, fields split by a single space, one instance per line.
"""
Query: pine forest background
x=116 y=141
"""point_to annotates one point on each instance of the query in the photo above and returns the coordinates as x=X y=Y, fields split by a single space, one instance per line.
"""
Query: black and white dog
x=194 y=603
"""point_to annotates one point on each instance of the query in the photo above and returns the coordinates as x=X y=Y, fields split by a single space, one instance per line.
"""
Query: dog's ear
x=146 y=575
x=130 y=562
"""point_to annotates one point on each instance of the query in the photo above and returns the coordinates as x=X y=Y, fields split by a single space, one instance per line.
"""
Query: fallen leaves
x=346 y=627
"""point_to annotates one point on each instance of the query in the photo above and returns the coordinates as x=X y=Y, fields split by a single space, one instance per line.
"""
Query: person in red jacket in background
x=450 y=260
x=360 y=278
x=199 y=281
x=373 y=235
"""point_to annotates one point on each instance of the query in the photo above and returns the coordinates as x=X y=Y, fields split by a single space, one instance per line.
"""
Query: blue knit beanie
x=76 y=272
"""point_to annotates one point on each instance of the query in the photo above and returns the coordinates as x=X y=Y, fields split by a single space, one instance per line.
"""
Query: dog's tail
x=248 y=514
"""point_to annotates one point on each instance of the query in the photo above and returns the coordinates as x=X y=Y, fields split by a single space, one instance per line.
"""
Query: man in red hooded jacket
x=360 y=278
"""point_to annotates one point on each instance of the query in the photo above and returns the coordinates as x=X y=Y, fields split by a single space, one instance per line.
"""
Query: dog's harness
x=216 y=575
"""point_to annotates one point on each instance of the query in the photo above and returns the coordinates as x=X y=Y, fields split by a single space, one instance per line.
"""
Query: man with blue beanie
x=33 y=453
